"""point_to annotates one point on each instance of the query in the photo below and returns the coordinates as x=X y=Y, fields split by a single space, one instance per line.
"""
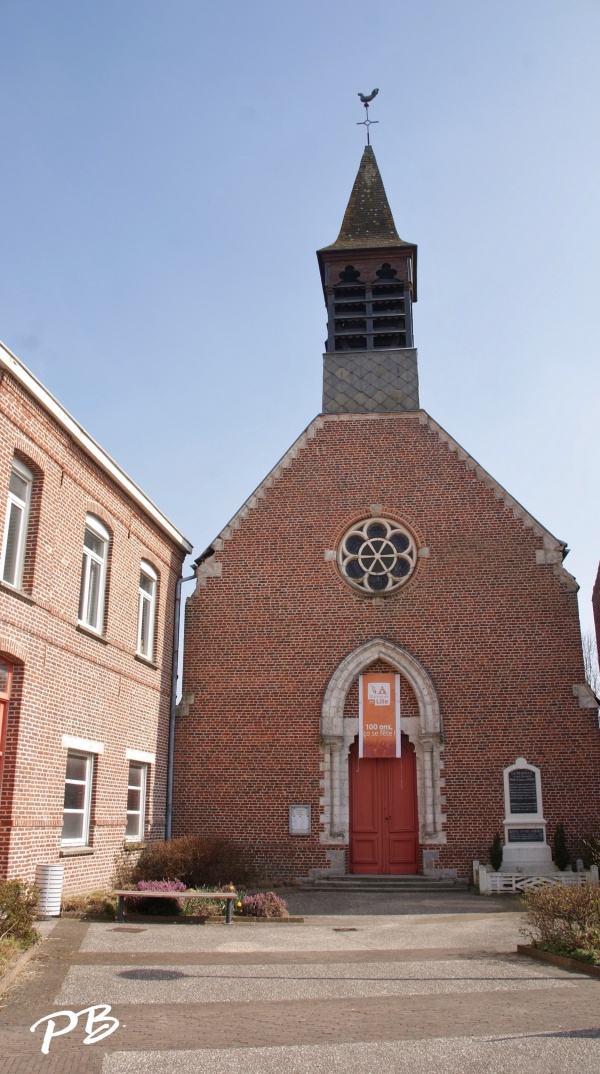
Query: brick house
x=378 y=551
x=89 y=573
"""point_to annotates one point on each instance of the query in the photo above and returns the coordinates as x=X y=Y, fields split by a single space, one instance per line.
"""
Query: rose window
x=377 y=556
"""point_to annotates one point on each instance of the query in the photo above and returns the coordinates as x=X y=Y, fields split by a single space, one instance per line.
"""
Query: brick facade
x=69 y=680
x=485 y=633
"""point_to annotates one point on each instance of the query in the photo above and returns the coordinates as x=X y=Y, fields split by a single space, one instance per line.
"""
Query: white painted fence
x=493 y=883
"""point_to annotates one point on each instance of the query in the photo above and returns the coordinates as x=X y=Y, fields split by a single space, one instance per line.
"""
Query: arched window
x=93 y=574
x=15 y=529
x=5 y=685
x=146 y=610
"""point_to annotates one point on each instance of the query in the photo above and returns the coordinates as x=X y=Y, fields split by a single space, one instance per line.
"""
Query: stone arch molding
x=338 y=734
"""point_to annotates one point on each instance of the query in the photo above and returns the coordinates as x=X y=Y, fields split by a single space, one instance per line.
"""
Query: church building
x=383 y=662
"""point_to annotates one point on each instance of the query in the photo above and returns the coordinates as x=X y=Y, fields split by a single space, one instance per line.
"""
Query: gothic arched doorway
x=384 y=825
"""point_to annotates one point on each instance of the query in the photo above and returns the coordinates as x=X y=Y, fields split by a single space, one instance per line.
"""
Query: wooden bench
x=229 y=897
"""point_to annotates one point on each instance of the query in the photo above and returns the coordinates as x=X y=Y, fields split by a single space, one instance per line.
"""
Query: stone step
x=441 y=885
x=375 y=878
x=390 y=884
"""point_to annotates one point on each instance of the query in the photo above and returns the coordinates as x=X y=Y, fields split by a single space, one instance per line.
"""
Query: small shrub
x=562 y=857
x=265 y=904
x=196 y=861
x=18 y=905
x=123 y=871
x=162 y=907
x=564 y=918
x=589 y=850
x=496 y=852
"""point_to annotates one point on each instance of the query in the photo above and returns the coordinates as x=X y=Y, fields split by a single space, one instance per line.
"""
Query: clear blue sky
x=169 y=170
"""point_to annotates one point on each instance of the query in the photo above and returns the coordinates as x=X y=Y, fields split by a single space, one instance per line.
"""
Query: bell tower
x=369 y=277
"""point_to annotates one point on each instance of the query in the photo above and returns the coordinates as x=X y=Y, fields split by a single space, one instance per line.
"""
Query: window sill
x=19 y=593
x=130 y=846
x=74 y=852
x=83 y=629
x=144 y=660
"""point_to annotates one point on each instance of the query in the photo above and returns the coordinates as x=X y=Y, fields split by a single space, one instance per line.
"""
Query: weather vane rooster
x=366 y=100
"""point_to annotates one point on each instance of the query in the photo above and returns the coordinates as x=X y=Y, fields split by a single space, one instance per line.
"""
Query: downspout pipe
x=174 y=677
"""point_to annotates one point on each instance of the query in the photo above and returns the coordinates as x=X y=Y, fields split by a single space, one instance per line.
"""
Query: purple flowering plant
x=160 y=885
x=264 y=904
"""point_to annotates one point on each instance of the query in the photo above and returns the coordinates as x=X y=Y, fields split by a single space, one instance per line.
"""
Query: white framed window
x=136 y=801
x=93 y=574
x=146 y=610
x=78 y=798
x=15 y=529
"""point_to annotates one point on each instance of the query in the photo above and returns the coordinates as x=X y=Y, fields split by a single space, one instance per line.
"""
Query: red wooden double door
x=384 y=830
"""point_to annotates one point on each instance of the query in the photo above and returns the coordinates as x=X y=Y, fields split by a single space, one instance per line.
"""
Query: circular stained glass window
x=377 y=555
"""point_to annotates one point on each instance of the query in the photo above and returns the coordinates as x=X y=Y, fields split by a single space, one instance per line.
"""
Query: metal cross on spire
x=366 y=100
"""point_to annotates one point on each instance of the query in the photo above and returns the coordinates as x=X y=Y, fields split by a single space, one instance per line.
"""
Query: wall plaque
x=526 y=835
x=522 y=791
x=299 y=820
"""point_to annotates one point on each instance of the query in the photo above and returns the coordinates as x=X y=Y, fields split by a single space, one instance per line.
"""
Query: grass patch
x=90 y=904
x=9 y=952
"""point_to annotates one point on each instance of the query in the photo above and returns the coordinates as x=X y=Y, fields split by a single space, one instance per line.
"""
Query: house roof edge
x=35 y=388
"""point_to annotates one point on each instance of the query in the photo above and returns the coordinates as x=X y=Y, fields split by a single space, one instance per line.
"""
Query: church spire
x=368 y=219
x=369 y=277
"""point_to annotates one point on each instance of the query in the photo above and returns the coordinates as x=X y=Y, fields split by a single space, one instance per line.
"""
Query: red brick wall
x=68 y=681
x=497 y=631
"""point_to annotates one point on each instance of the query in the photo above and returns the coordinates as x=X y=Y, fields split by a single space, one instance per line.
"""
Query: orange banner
x=379 y=715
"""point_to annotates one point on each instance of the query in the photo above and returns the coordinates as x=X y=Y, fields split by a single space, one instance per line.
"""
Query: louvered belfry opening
x=389 y=310
x=348 y=313
x=369 y=315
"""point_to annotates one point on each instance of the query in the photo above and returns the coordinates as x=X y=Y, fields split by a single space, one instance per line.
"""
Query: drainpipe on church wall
x=174 y=677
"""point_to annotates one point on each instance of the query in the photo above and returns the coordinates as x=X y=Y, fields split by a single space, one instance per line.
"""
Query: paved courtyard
x=368 y=984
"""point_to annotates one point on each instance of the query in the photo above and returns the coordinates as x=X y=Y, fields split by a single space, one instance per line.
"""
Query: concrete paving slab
x=555 y=1053
x=498 y=932
x=269 y=983
x=442 y=993
x=351 y=903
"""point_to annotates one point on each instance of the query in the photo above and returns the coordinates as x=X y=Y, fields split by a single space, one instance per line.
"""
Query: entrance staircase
x=397 y=885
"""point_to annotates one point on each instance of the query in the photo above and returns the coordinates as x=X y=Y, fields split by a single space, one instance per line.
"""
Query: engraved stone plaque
x=299 y=820
x=522 y=791
x=526 y=835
